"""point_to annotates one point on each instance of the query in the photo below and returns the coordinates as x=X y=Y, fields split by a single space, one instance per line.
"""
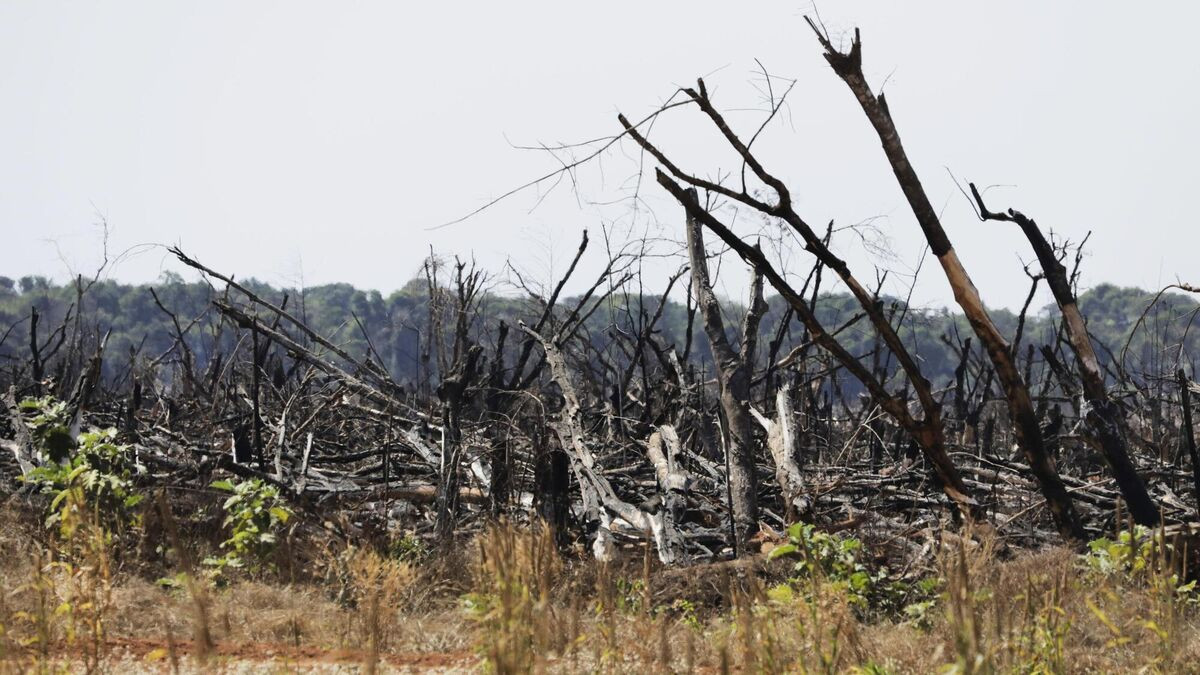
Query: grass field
x=508 y=601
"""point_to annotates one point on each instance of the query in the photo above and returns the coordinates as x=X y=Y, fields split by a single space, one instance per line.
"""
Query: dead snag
x=498 y=492
x=453 y=394
x=462 y=370
x=734 y=371
x=35 y=354
x=1189 y=433
x=664 y=450
x=848 y=66
x=600 y=501
x=1104 y=417
x=782 y=442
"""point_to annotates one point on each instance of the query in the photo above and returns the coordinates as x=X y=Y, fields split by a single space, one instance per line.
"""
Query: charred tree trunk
x=928 y=431
x=552 y=501
x=1104 y=417
x=453 y=394
x=1189 y=432
x=498 y=492
x=35 y=352
x=598 y=496
x=462 y=367
x=848 y=66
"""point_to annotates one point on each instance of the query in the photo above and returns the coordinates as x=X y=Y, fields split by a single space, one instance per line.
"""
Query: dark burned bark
x=551 y=496
x=1189 y=432
x=848 y=66
x=1105 y=419
x=453 y=394
x=35 y=353
x=463 y=367
x=600 y=501
x=254 y=401
x=498 y=493
x=734 y=371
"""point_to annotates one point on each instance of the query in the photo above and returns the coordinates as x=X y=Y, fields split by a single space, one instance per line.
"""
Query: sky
x=307 y=142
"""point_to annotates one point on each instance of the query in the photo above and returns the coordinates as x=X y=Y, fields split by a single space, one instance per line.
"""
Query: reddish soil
x=257 y=652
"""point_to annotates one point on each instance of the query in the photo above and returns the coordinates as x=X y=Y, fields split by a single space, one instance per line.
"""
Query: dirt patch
x=156 y=654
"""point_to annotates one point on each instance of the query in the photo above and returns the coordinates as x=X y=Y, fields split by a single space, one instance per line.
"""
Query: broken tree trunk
x=1189 y=432
x=453 y=393
x=928 y=432
x=1104 y=417
x=598 y=494
x=782 y=443
x=848 y=67
x=22 y=444
x=664 y=450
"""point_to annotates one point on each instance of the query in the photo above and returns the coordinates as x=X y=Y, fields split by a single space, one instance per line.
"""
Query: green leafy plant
x=920 y=599
x=825 y=556
x=254 y=513
x=49 y=426
x=687 y=613
x=408 y=548
x=1143 y=558
x=1129 y=553
x=821 y=556
x=1141 y=554
x=92 y=471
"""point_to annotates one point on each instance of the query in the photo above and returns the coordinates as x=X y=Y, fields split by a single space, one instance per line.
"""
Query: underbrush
x=96 y=574
x=518 y=605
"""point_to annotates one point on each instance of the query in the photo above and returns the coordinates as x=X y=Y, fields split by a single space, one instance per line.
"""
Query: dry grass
x=508 y=602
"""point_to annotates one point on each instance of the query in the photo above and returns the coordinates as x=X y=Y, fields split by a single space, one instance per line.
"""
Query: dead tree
x=600 y=500
x=1104 y=417
x=783 y=444
x=498 y=491
x=1188 y=431
x=463 y=370
x=848 y=67
x=35 y=353
x=734 y=372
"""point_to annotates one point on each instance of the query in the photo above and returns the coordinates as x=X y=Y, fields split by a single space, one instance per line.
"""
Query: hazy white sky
x=323 y=140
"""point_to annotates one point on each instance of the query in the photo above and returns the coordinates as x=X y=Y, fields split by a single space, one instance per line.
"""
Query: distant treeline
x=393 y=328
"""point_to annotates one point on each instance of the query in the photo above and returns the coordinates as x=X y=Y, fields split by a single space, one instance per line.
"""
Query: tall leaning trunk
x=848 y=66
x=1105 y=420
x=734 y=371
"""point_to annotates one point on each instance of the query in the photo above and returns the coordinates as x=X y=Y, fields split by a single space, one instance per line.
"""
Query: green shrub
x=254 y=513
x=91 y=471
x=824 y=557
x=408 y=548
x=1142 y=555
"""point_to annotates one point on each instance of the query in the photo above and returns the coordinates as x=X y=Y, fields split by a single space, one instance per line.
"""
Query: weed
x=90 y=471
x=254 y=513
